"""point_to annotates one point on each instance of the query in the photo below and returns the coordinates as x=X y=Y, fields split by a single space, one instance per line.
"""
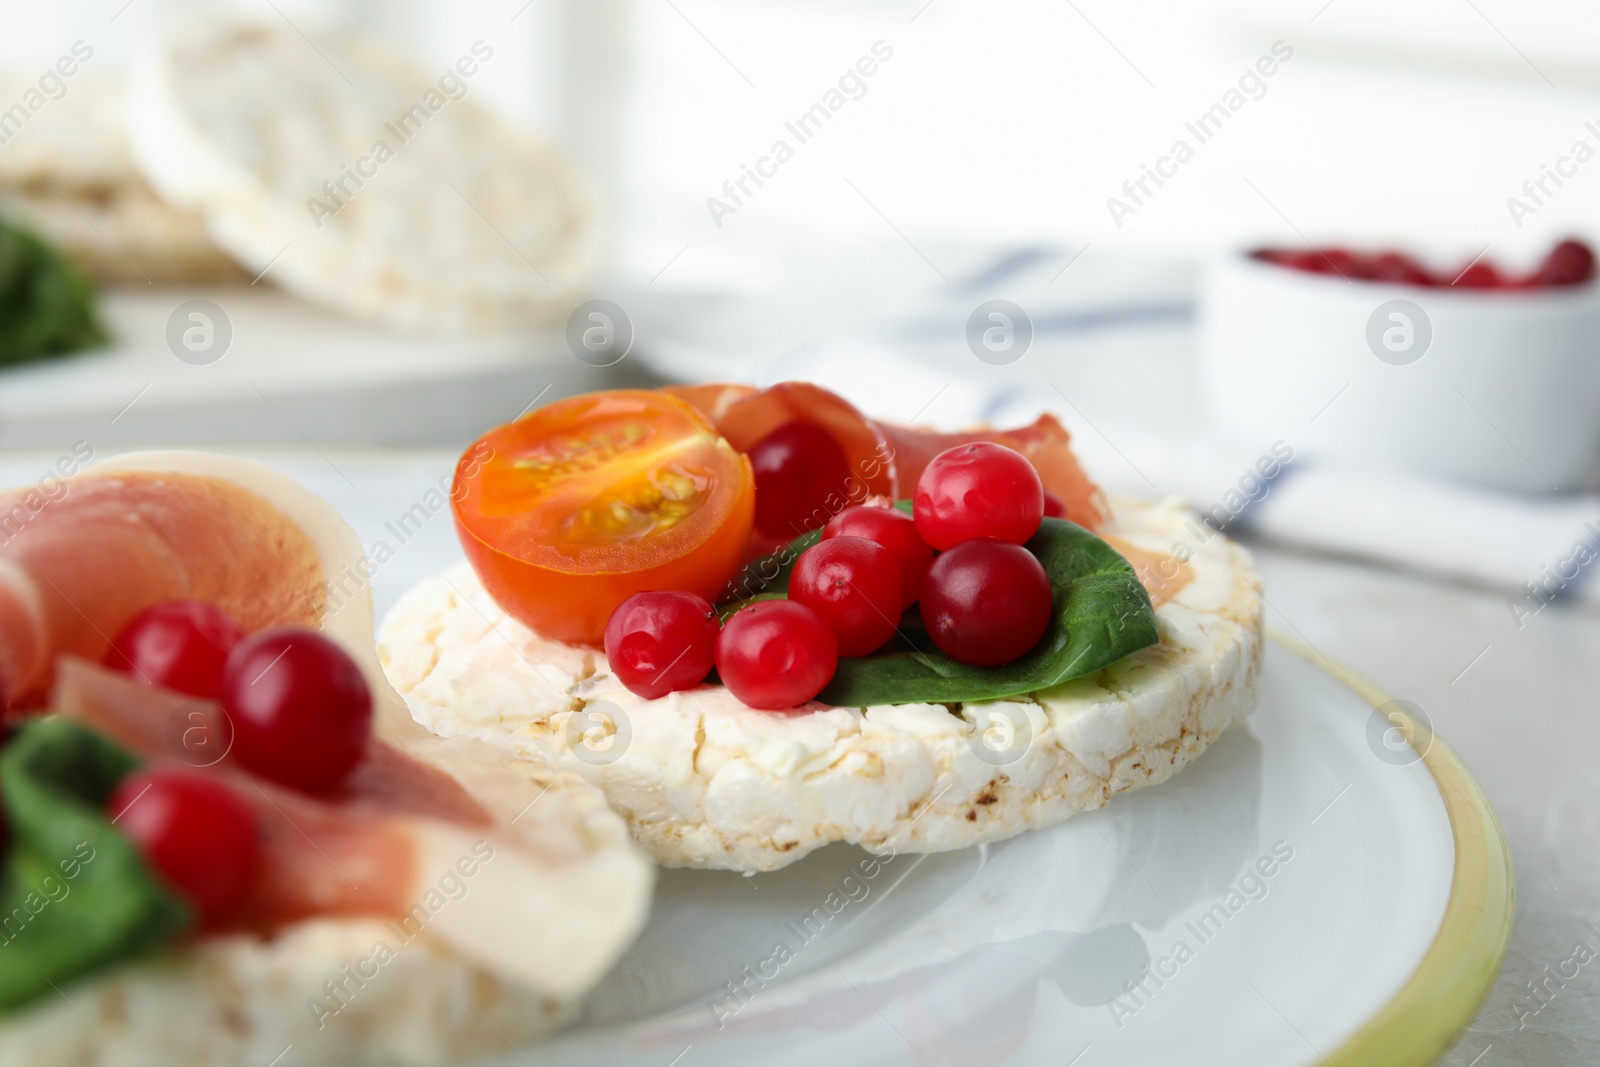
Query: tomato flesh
x=573 y=508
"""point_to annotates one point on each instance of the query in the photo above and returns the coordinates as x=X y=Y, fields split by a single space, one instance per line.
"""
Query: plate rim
x=1447 y=987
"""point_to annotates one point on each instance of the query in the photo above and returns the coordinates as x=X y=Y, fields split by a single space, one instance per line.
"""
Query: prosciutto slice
x=886 y=457
x=556 y=889
x=76 y=570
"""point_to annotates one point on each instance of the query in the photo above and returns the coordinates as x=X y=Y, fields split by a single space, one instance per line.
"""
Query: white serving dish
x=1381 y=926
x=1497 y=388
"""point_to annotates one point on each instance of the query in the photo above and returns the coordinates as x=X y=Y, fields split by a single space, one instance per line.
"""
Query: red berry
x=797 y=467
x=658 y=643
x=1400 y=268
x=1054 y=508
x=177 y=644
x=300 y=708
x=776 y=654
x=986 y=602
x=895 y=531
x=1479 y=275
x=197 y=834
x=1312 y=262
x=855 y=586
x=1336 y=261
x=1569 y=263
x=978 y=490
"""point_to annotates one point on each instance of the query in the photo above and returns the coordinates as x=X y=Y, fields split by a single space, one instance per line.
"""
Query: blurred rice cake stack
x=67 y=174
x=362 y=182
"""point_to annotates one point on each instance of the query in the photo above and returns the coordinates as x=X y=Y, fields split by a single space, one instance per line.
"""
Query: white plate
x=1273 y=899
x=1313 y=889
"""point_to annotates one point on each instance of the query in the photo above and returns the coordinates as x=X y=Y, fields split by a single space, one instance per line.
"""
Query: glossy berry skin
x=978 y=490
x=177 y=644
x=854 y=584
x=196 y=833
x=776 y=654
x=894 y=530
x=659 y=643
x=1569 y=263
x=796 y=468
x=1053 y=506
x=301 y=710
x=986 y=602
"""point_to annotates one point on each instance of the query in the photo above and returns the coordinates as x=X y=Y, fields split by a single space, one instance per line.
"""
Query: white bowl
x=1497 y=388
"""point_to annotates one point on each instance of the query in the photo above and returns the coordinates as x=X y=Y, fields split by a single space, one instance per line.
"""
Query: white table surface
x=1518 y=705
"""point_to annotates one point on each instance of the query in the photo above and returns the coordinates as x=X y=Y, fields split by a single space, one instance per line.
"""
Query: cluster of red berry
x=300 y=713
x=985 y=599
x=1569 y=263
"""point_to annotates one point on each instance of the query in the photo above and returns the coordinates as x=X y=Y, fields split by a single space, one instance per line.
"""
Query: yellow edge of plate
x=1444 y=992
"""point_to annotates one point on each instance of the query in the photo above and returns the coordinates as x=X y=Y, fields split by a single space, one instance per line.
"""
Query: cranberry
x=301 y=710
x=854 y=584
x=1400 y=268
x=1314 y=262
x=177 y=644
x=1054 y=507
x=895 y=531
x=1479 y=275
x=978 y=490
x=797 y=467
x=1339 y=261
x=776 y=654
x=1569 y=263
x=197 y=834
x=986 y=602
x=658 y=643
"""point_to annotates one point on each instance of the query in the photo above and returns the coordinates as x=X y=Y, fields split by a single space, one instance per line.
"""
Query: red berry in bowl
x=300 y=708
x=854 y=585
x=1569 y=263
x=177 y=644
x=978 y=490
x=658 y=643
x=986 y=602
x=1340 y=261
x=1479 y=275
x=776 y=654
x=895 y=531
x=796 y=468
x=1312 y=262
x=198 y=835
x=1400 y=268
x=1054 y=508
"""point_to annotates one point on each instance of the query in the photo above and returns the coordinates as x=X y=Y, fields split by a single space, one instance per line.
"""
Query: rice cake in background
x=67 y=174
x=366 y=184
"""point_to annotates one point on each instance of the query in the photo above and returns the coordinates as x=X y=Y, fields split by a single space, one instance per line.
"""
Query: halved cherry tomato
x=575 y=507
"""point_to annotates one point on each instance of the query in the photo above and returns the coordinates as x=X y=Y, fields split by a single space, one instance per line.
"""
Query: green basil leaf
x=75 y=895
x=1101 y=614
x=47 y=303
